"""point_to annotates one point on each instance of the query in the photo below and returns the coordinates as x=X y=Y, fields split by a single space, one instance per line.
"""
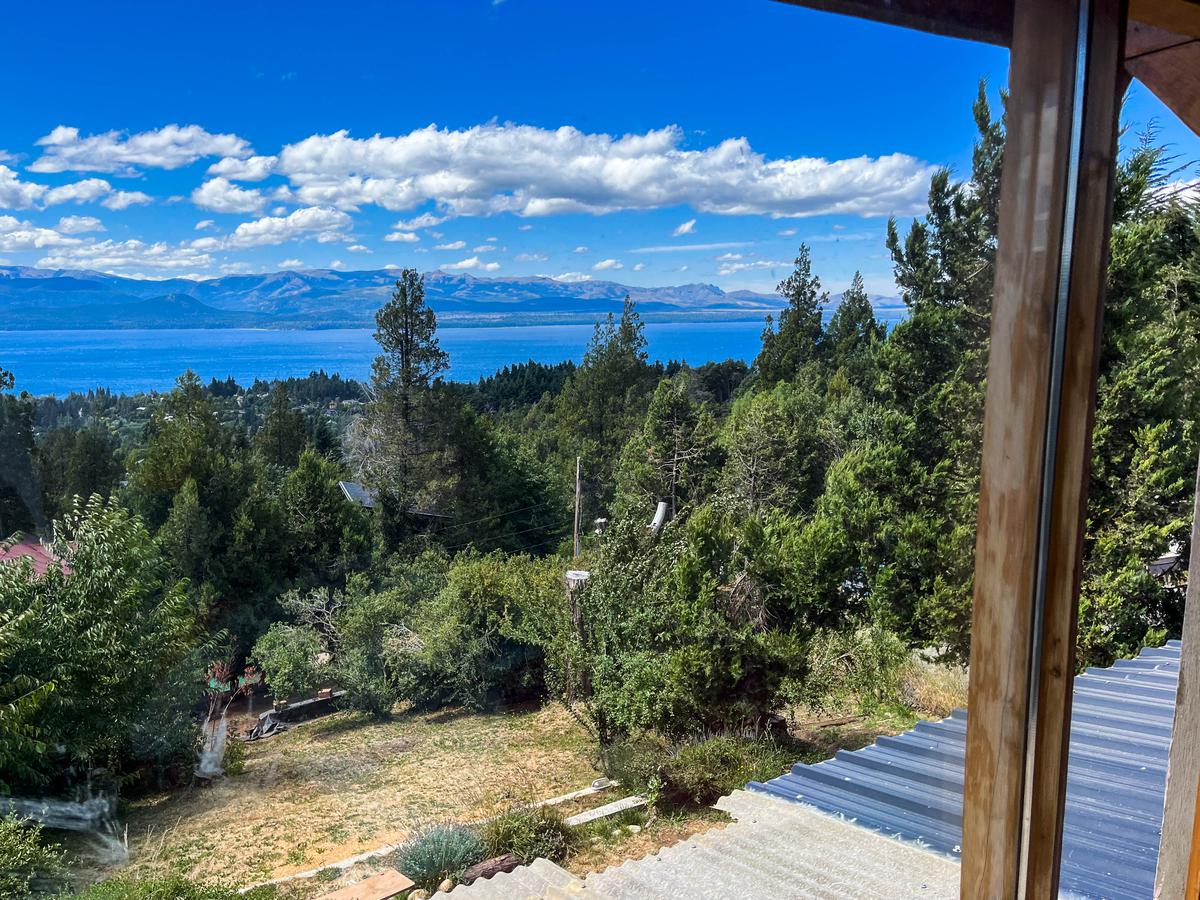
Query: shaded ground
x=344 y=785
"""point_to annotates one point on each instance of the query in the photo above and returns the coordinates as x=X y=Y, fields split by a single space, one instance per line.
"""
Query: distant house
x=1170 y=568
x=21 y=546
x=356 y=493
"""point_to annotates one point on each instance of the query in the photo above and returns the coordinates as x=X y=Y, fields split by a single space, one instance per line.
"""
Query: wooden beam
x=1180 y=848
x=989 y=22
x=1055 y=203
x=1168 y=63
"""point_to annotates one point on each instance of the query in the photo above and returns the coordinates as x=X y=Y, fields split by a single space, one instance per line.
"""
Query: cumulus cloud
x=206 y=225
x=119 y=200
x=789 y=232
x=221 y=195
x=581 y=249
x=531 y=171
x=18 y=194
x=605 y=264
x=17 y=235
x=525 y=227
x=485 y=248
x=78 y=225
x=292 y=264
x=322 y=223
x=254 y=168
x=728 y=257
x=571 y=277
x=531 y=257
x=404 y=237
x=359 y=248
x=452 y=245
x=424 y=220
x=473 y=262
x=688 y=227
x=637 y=267
x=132 y=254
x=169 y=147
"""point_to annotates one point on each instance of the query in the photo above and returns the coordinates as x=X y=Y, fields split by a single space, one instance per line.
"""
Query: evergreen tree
x=852 y=336
x=797 y=339
x=284 y=433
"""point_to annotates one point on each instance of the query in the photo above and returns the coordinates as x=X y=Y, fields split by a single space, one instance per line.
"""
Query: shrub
x=174 y=887
x=288 y=657
x=367 y=685
x=861 y=668
x=26 y=857
x=439 y=853
x=696 y=773
x=530 y=833
x=234 y=762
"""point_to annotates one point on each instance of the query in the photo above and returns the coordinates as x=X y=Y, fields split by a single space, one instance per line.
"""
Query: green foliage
x=107 y=628
x=860 y=667
x=287 y=655
x=76 y=462
x=697 y=773
x=439 y=853
x=529 y=832
x=797 y=339
x=171 y=887
x=283 y=434
x=27 y=857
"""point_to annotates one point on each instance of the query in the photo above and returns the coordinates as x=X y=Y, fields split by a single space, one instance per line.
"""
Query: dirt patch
x=345 y=785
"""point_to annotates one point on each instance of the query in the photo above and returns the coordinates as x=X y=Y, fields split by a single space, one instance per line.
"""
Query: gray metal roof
x=911 y=786
x=356 y=493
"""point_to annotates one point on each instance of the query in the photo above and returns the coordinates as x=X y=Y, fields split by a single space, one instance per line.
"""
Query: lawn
x=344 y=785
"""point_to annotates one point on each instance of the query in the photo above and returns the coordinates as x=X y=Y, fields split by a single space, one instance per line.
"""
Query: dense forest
x=824 y=494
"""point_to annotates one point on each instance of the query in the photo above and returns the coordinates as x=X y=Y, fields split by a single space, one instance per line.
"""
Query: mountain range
x=33 y=298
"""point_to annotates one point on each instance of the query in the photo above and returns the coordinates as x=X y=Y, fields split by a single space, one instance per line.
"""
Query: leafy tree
x=108 y=628
x=20 y=698
x=326 y=534
x=27 y=856
x=797 y=339
x=287 y=655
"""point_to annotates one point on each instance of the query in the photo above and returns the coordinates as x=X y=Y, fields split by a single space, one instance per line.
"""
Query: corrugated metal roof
x=356 y=493
x=911 y=786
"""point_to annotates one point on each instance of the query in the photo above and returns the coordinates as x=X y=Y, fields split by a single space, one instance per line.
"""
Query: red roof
x=29 y=547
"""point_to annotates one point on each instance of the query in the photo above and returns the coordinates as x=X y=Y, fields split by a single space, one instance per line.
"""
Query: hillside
x=320 y=298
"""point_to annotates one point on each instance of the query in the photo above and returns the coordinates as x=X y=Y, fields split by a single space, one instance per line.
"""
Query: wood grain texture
x=1178 y=872
x=1028 y=269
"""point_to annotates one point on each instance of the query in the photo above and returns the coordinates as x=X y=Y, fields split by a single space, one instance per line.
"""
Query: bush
x=439 y=853
x=530 y=833
x=862 y=668
x=26 y=857
x=174 y=887
x=234 y=762
x=287 y=655
x=368 y=688
x=697 y=773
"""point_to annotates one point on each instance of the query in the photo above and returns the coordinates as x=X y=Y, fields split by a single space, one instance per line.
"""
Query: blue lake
x=57 y=362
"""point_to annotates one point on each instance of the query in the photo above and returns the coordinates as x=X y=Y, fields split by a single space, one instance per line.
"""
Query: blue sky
x=648 y=143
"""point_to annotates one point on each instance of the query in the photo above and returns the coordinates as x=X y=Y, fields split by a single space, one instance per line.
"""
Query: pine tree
x=796 y=341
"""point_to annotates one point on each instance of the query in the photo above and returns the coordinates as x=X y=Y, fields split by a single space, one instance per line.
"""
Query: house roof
x=21 y=546
x=356 y=493
x=911 y=786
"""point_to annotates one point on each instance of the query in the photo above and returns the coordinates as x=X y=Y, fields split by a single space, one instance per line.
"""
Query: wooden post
x=1052 y=253
x=1178 y=872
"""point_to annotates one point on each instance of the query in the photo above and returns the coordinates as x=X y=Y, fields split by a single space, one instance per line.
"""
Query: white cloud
x=728 y=257
x=292 y=264
x=406 y=237
x=359 y=248
x=688 y=227
x=637 y=267
x=485 y=248
x=221 y=195
x=680 y=248
x=525 y=227
x=581 y=249
x=529 y=171
x=86 y=191
x=732 y=268
x=324 y=224
x=254 y=168
x=682 y=269
x=169 y=147
x=788 y=232
x=119 y=200
x=337 y=264
x=78 y=225
x=571 y=277
x=206 y=225
x=605 y=264
x=473 y=262
x=531 y=257
x=492 y=239
x=18 y=194
x=133 y=254
x=424 y=220
x=17 y=235
x=452 y=245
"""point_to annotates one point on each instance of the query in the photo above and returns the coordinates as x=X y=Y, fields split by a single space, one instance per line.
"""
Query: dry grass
x=933 y=690
x=344 y=785
x=613 y=843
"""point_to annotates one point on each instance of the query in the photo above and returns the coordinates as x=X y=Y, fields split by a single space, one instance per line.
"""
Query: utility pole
x=578 y=493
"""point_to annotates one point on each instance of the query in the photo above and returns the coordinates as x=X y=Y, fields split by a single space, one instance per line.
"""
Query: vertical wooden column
x=1055 y=203
x=1178 y=872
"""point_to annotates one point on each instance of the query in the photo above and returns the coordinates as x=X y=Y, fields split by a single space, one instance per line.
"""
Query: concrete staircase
x=773 y=849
